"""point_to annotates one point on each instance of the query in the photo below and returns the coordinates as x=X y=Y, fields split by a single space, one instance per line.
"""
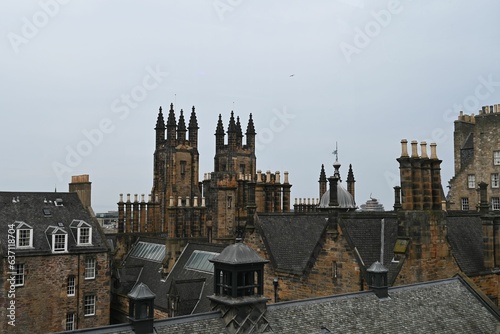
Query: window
x=71 y=286
x=70 y=321
x=82 y=231
x=84 y=234
x=19 y=274
x=229 y=202
x=242 y=169
x=471 y=181
x=494 y=180
x=89 y=268
x=465 y=203
x=24 y=236
x=89 y=305
x=495 y=203
x=59 y=242
x=183 y=167
x=496 y=158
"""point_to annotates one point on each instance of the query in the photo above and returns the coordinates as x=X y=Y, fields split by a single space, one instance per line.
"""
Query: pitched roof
x=445 y=306
x=364 y=236
x=46 y=212
x=180 y=279
x=292 y=240
x=433 y=307
x=465 y=236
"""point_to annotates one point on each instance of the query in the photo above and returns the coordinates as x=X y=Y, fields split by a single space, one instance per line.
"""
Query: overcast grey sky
x=82 y=81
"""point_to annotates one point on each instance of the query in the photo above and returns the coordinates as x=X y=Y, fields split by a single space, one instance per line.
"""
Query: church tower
x=175 y=176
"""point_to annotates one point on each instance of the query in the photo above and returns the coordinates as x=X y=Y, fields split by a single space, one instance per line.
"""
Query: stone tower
x=175 y=175
x=477 y=159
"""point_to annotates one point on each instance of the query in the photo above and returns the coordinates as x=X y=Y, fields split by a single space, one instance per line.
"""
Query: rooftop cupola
x=377 y=279
x=141 y=309
x=239 y=288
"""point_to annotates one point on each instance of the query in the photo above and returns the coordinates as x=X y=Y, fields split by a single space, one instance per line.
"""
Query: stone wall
x=42 y=303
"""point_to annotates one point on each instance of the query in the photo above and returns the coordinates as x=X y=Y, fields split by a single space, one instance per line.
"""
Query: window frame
x=89 y=304
x=71 y=286
x=183 y=167
x=70 y=324
x=495 y=203
x=464 y=204
x=56 y=242
x=495 y=180
x=79 y=235
x=19 y=275
x=90 y=268
x=471 y=181
x=496 y=158
x=20 y=228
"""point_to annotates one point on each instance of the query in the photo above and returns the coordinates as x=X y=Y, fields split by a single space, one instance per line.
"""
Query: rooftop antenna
x=175 y=100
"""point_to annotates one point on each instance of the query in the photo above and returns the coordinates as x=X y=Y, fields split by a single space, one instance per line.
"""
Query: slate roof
x=465 y=236
x=292 y=240
x=364 y=234
x=189 y=284
x=445 y=306
x=135 y=270
x=28 y=207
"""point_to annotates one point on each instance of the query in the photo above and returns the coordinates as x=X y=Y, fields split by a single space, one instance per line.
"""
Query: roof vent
x=58 y=202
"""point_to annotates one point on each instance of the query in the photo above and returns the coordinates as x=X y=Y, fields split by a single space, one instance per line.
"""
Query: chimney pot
x=414 y=149
x=404 y=148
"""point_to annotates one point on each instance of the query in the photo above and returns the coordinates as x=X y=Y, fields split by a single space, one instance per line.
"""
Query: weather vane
x=336 y=152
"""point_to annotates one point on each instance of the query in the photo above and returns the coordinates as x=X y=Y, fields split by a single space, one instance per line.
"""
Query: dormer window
x=82 y=232
x=58 y=239
x=24 y=235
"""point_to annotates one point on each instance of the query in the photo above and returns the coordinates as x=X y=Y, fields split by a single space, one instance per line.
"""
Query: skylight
x=199 y=261
x=149 y=251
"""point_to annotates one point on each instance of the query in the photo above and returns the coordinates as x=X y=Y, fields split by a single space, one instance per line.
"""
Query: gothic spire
x=220 y=127
x=322 y=174
x=250 y=126
x=160 y=122
x=171 y=117
x=193 y=121
x=232 y=124
x=182 y=124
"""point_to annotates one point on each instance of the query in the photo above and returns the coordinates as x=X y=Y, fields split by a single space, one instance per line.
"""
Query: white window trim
x=496 y=158
x=471 y=181
x=85 y=306
x=497 y=179
x=94 y=264
x=497 y=204
x=72 y=286
x=18 y=230
x=78 y=236
x=54 y=250
x=462 y=204
x=72 y=322
x=22 y=274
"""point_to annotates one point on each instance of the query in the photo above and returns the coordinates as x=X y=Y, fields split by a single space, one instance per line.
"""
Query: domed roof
x=344 y=199
x=238 y=253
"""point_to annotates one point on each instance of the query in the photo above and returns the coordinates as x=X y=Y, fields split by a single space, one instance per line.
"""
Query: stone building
x=55 y=263
x=240 y=306
x=181 y=205
x=477 y=160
